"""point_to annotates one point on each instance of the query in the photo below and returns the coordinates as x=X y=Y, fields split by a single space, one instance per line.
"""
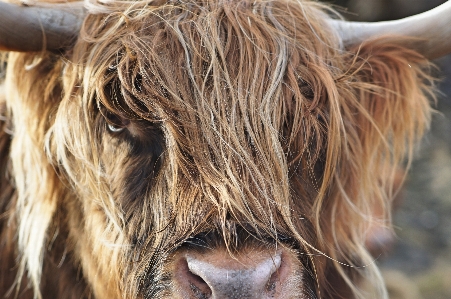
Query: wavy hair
x=172 y=118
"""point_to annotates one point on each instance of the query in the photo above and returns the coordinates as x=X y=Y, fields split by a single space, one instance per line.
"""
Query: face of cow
x=198 y=140
x=190 y=150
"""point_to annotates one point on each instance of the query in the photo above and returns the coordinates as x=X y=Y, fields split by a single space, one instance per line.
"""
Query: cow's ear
x=33 y=91
x=34 y=77
x=389 y=109
x=383 y=94
x=394 y=87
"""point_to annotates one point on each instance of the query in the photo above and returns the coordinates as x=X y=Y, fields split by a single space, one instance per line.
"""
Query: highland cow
x=203 y=149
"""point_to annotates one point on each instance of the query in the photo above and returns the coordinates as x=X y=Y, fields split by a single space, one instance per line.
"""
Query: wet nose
x=231 y=279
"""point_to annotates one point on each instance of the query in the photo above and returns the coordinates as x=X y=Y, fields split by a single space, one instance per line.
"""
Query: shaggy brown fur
x=174 y=121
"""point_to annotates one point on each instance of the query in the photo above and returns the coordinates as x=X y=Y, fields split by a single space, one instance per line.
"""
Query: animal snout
x=220 y=275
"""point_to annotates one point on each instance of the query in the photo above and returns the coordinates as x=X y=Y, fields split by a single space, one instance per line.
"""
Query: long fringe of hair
x=265 y=119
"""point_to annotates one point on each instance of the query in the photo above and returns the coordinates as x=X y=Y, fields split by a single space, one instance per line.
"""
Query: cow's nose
x=255 y=282
x=230 y=278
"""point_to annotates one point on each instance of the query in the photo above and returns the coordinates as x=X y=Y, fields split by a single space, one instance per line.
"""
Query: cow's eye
x=115 y=128
x=115 y=123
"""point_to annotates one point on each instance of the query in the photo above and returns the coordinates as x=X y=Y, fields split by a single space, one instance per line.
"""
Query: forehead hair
x=237 y=87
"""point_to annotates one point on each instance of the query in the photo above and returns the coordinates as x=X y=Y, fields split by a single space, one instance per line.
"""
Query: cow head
x=208 y=149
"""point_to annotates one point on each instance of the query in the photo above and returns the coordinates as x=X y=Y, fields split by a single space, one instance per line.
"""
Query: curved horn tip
x=431 y=31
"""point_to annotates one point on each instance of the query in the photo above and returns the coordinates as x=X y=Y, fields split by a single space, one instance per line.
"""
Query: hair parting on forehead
x=266 y=120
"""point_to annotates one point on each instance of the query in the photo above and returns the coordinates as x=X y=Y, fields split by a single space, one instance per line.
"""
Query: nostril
x=199 y=287
x=189 y=284
x=271 y=284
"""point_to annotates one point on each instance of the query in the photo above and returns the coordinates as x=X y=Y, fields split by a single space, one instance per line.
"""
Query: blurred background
x=419 y=263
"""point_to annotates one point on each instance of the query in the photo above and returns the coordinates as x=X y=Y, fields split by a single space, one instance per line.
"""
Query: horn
x=32 y=28
x=430 y=31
